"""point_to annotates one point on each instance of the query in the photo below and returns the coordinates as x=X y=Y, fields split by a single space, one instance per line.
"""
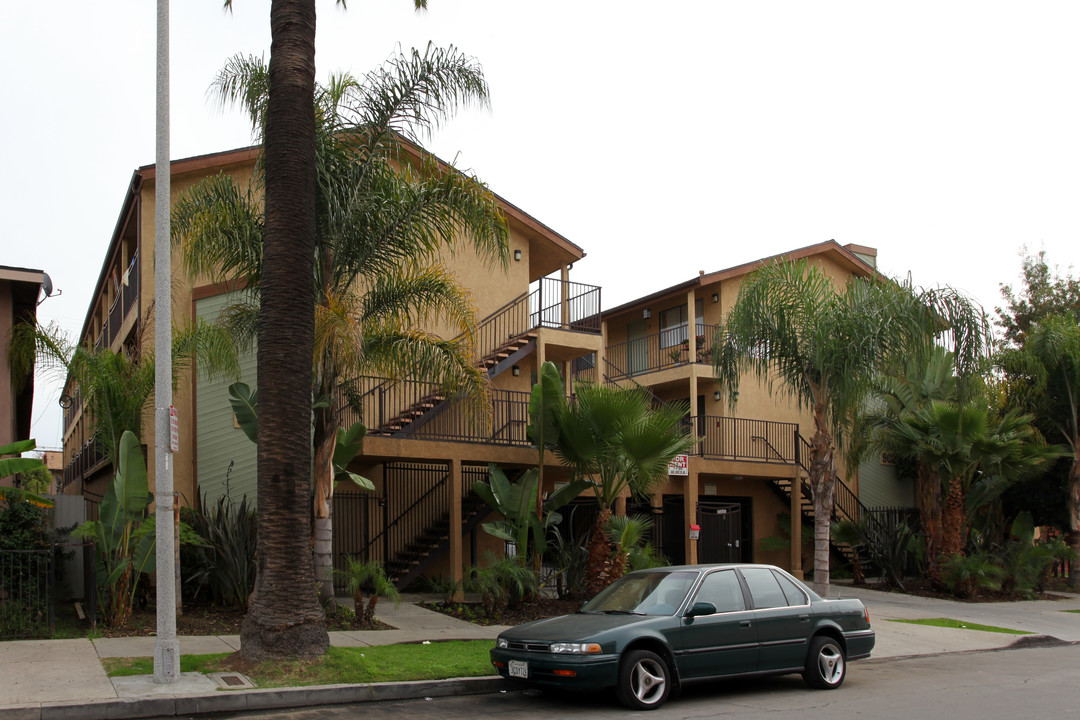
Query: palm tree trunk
x=323 y=497
x=823 y=485
x=284 y=619
x=600 y=556
x=929 y=500
x=952 y=523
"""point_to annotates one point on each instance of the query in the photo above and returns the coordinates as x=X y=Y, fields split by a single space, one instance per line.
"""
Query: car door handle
x=805 y=617
x=744 y=623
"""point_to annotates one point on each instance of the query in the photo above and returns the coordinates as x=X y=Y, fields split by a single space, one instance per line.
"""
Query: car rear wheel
x=825 y=664
x=644 y=681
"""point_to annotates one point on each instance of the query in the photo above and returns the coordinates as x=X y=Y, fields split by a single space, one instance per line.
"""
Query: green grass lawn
x=950 y=623
x=383 y=663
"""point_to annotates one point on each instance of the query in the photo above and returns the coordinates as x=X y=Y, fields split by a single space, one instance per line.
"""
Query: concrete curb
x=249 y=700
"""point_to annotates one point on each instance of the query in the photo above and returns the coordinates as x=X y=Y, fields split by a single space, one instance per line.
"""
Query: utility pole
x=166 y=646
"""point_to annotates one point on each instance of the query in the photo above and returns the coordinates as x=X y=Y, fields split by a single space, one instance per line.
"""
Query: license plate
x=519 y=669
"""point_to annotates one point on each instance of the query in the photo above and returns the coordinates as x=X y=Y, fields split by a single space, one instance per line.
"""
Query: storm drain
x=231 y=680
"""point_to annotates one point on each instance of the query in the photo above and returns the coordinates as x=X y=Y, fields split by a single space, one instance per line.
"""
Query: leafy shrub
x=225 y=560
x=448 y=588
x=570 y=558
x=635 y=552
x=890 y=546
x=1027 y=564
x=500 y=583
x=965 y=575
x=367 y=576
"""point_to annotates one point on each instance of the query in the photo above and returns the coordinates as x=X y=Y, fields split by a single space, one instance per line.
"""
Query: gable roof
x=848 y=255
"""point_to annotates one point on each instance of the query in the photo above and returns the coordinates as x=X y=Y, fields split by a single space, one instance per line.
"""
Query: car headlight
x=575 y=648
x=502 y=643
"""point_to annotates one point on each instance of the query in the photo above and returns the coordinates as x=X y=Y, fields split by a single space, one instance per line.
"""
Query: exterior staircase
x=432 y=543
x=846 y=505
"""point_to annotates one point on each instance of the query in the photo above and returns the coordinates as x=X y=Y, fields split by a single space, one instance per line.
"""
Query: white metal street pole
x=166 y=646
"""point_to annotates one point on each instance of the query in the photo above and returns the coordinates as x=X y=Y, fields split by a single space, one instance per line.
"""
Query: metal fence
x=32 y=583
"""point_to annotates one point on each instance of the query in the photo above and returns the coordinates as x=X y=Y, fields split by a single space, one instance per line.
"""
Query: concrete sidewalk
x=46 y=679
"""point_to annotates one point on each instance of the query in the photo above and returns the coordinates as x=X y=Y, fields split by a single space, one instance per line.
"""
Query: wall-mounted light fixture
x=716 y=395
x=515 y=370
x=716 y=297
x=517 y=256
x=646 y=314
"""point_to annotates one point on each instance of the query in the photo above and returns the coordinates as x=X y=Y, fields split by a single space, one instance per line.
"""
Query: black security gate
x=721 y=532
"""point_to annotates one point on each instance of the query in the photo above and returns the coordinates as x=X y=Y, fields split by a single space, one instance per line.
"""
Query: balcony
x=747 y=440
x=658 y=351
x=82 y=463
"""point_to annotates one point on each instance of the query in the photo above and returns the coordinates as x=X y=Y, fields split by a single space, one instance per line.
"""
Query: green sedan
x=653 y=631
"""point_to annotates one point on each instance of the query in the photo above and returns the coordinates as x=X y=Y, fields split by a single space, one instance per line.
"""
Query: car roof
x=708 y=566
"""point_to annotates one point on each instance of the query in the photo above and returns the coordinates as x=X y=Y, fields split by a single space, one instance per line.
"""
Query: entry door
x=637 y=346
x=721 y=532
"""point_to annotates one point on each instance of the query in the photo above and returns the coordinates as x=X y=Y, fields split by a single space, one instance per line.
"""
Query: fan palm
x=913 y=384
x=383 y=220
x=616 y=440
x=823 y=345
x=961 y=441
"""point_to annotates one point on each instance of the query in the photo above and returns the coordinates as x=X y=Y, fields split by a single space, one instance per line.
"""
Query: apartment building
x=423 y=451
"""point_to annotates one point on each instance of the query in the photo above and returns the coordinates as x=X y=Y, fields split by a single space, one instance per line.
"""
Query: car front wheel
x=643 y=680
x=825 y=665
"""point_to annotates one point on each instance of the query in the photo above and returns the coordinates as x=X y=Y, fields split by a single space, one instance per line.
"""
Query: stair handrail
x=844 y=500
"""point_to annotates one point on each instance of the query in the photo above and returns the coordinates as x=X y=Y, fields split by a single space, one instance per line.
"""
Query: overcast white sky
x=945 y=134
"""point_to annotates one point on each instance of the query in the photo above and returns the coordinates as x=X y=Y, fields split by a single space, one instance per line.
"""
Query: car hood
x=579 y=627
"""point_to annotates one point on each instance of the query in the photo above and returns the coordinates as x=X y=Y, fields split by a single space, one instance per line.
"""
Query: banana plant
x=18 y=464
x=516 y=502
x=124 y=536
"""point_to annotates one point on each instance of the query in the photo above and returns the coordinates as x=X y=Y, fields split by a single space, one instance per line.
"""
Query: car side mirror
x=701 y=608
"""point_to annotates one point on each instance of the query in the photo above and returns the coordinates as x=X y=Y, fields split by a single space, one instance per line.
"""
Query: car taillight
x=867 y=614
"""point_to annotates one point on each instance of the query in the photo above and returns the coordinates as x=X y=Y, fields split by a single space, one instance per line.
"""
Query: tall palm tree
x=823 y=344
x=614 y=438
x=382 y=219
x=277 y=624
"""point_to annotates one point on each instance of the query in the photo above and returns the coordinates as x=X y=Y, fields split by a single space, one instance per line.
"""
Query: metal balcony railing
x=665 y=349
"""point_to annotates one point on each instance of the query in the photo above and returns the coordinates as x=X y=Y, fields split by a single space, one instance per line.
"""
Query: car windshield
x=644 y=593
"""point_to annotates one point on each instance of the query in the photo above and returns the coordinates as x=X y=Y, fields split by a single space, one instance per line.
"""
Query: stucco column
x=456 y=553
x=690 y=512
x=796 y=522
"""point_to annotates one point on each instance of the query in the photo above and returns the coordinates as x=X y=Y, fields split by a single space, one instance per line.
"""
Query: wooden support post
x=456 y=539
x=690 y=514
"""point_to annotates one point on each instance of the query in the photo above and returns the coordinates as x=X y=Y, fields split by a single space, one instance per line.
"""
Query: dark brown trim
x=221 y=159
x=220 y=288
x=855 y=264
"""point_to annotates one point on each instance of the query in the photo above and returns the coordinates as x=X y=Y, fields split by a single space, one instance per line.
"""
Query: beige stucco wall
x=184 y=479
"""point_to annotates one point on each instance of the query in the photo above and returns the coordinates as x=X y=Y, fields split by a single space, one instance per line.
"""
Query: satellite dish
x=47 y=288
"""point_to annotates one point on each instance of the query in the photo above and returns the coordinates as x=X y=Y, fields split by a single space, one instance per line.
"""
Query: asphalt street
x=1029 y=683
